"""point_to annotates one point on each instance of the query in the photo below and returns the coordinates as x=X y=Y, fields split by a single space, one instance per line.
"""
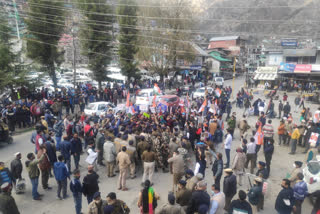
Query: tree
x=166 y=39
x=45 y=23
x=96 y=37
x=12 y=73
x=127 y=12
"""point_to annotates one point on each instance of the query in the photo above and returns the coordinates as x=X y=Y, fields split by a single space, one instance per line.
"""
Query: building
x=234 y=44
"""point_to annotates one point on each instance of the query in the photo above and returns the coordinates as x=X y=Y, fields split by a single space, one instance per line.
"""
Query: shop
x=266 y=77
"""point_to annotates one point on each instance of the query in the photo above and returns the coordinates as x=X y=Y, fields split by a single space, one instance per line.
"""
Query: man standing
x=123 y=161
x=268 y=152
x=294 y=174
x=217 y=169
x=268 y=132
x=288 y=131
x=294 y=139
x=199 y=198
x=286 y=109
x=285 y=199
x=238 y=165
x=177 y=168
x=90 y=184
x=76 y=149
x=16 y=167
x=45 y=168
x=240 y=205
x=61 y=174
x=251 y=155
x=148 y=157
x=33 y=171
x=96 y=206
x=262 y=171
x=280 y=109
x=227 y=147
x=7 y=202
x=218 y=200
x=231 y=124
x=183 y=195
x=110 y=154
x=132 y=152
x=229 y=187
x=65 y=149
x=300 y=192
x=171 y=207
x=76 y=189
x=255 y=194
x=99 y=146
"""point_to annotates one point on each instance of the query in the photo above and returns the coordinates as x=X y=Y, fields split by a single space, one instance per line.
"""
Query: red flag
x=259 y=135
x=154 y=101
x=128 y=99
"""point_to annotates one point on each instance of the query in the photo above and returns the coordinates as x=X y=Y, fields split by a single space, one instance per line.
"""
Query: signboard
x=195 y=67
x=314 y=138
x=288 y=67
x=144 y=108
x=162 y=107
x=153 y=110
x=289 y=42
x=315 y=67
x=302 y=68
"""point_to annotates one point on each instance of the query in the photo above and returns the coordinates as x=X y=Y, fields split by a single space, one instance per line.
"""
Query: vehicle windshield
x=218 y=79
x=200 y=90
x=314 y=167
x=168 y=100
x=143 y=94
x=90 y=106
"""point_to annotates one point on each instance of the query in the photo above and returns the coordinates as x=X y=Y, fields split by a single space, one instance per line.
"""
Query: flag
x=156 y=88
x=188 y=101
x=259 y=135
x=218 y=92
x=131 y=110
x=154 y=101
x=128 y=100
x=204 y=104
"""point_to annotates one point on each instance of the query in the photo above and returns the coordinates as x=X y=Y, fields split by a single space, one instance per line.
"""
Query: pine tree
x=96 y=36
x=45 y=24
x=128 y=37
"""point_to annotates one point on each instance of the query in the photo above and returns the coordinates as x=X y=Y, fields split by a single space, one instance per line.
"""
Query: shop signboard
x=315 y=67
x=302 y=68
x=288 y=67
x=289 y=43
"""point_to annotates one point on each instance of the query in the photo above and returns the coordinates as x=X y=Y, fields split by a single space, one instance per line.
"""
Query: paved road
x=281 y=164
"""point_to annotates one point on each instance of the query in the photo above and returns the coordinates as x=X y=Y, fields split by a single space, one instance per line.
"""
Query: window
x=102 y=107
x=91 y=106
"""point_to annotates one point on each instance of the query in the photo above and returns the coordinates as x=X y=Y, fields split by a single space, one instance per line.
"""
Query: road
x=280 y=166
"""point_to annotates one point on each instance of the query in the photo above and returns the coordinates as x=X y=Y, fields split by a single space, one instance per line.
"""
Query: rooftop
x=224 y=38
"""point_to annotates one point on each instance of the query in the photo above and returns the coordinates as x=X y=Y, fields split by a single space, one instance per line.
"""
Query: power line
x=166 y=18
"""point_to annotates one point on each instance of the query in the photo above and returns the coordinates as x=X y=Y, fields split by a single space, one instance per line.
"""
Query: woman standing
x=147 y=199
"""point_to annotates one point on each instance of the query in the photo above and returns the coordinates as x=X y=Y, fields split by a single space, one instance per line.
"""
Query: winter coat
x=198 y=198
x=75 y=186
x=171 y=209
x=16 y=168
x=300 y=190
x=60 y=171
x=90 y=184
x=65 y=149
x=8 y=204
x=239 y=162
x=254 y=194
x=280 y=206
x=230 y=185
x=109 y=151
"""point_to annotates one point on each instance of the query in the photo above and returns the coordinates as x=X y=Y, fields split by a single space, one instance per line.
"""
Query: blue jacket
x=60 y=171
x=75 y=187
x=65 y=149
x=300 y=190
x=76 y=146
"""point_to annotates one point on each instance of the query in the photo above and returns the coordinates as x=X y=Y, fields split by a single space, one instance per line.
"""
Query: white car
x=145 y=97
x=98 y=108
x=312 y=175
x=219 y=81
x=200 y=92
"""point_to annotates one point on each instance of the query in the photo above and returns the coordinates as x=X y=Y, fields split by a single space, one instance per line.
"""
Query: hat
x=262 y=163
x=96 y=195
x=5 y=186
x=18 y=153
x=42 y=117
x=298 y=163
x=258 y=179
x=228 y=170
x=182 y=182
x=199 y=176
x=189 y=172
x=101 y=129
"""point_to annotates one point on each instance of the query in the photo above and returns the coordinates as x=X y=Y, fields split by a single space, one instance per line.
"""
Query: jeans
x=293 y=145
x=76 y=159
x=35 y=182
x=281 y=139
x=62 y=185
x=228 y=157
x=78 y=202
x=45 y=178
x=68 y=163
x=58 y=141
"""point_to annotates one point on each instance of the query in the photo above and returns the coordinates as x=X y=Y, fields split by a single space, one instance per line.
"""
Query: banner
x=314 y=138
x=144 y=108
x=146 y=114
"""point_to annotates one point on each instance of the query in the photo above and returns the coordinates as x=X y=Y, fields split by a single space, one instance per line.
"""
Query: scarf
x=150 y=201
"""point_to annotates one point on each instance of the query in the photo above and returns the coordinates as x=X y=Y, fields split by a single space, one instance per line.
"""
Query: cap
x=182 y=182
x=96 y=195
x=18 y=153
x=189 y=172
x=258 y=180
x=298 y=163
x=199 y=176
x=5 y=186
x=228 y=170
x=262 y=163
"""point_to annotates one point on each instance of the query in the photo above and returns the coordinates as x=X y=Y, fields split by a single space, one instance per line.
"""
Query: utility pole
x=234 y=75
x=74 y=58
x=17 y=17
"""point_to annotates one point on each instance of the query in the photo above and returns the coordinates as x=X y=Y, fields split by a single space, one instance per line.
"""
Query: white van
x=145 y=97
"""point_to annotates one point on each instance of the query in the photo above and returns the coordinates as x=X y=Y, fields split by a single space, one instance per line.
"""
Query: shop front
x=266 y=77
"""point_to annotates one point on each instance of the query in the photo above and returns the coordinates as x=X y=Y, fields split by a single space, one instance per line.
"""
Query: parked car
x=200 y=92
x=219 y=81
x=98 y=108
x=170 y=100
x=145 y=97
x=312 y=176
x=187 y=90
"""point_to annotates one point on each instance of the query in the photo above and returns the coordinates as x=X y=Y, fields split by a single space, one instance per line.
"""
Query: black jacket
x=230 y=185
x=90 y=184
x=241 y=205
x=284 y=194
x=217 y=167
x=264 y=173
x=16 y=168
x=198 y=198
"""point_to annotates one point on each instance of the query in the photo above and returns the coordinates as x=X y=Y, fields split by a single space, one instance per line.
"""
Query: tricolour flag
x=218 y=92
x=154 y=101
x=204 y=104
x=259 y=135
x=128 y=100
x=156 y=88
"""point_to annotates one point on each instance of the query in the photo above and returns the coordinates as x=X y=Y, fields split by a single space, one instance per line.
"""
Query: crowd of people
x=182 y=141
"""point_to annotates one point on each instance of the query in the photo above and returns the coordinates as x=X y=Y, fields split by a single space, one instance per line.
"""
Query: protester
x=240 y=205
x=76 y=189
x=217 y=200
x=300 y=192
x=148 y=198
x=7 y=203
x=229 y=187
x=90 y=184
x=61 y=174
x=285 y=199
